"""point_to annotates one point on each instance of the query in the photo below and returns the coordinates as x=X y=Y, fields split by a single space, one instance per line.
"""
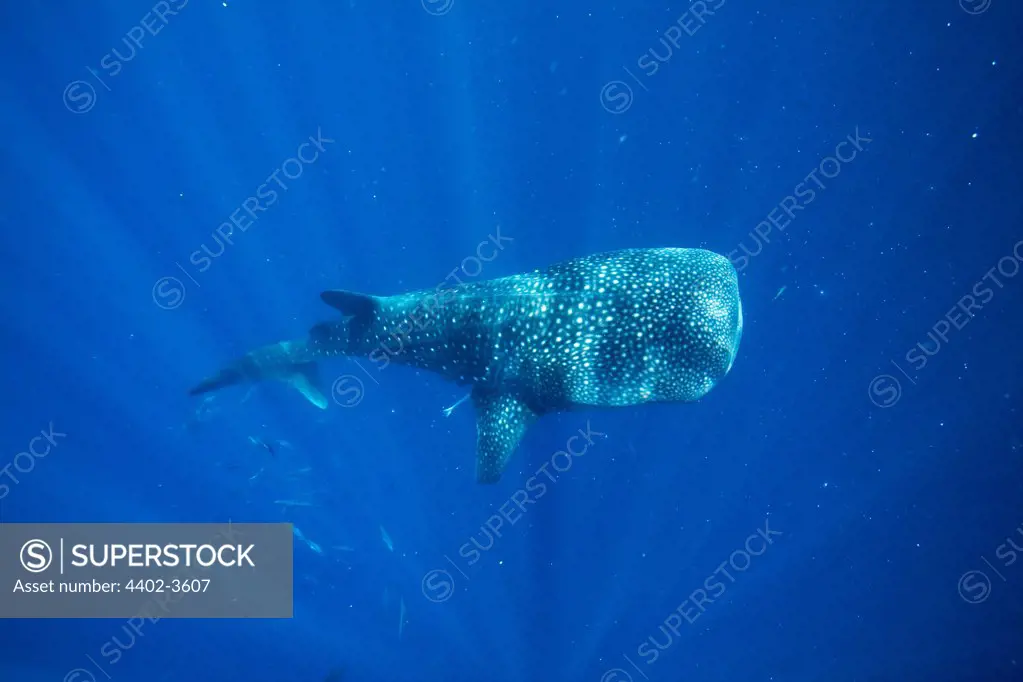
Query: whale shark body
x=607 y=330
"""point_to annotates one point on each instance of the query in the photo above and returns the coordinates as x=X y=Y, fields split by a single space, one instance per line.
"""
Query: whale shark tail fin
x=501 y=421
x=306 y=380
x=229 y=376
x=287 y=361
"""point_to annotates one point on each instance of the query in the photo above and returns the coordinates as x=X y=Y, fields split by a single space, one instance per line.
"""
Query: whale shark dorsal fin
x=349 y=303
x=305 y=379
x=361 y=309
x=501 y=421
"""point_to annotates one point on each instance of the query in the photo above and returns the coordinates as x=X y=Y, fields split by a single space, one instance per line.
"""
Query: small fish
x=256 y=441
x=780 y=292
x=204 y=411
x=386 y=538
x=309 y=543
x=449 y=410
x=401 y=618
x=293 y=503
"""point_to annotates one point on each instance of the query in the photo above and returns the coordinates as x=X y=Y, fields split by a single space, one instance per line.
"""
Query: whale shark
x=612 y=329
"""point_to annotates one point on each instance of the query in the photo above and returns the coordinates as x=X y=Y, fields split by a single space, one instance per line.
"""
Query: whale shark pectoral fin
x=501 y=421
x=306 y=380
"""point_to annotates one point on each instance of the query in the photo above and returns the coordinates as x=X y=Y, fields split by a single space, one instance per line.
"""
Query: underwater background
x=858 y=162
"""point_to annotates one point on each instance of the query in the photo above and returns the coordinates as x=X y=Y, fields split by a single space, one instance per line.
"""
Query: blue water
x=885 y=473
